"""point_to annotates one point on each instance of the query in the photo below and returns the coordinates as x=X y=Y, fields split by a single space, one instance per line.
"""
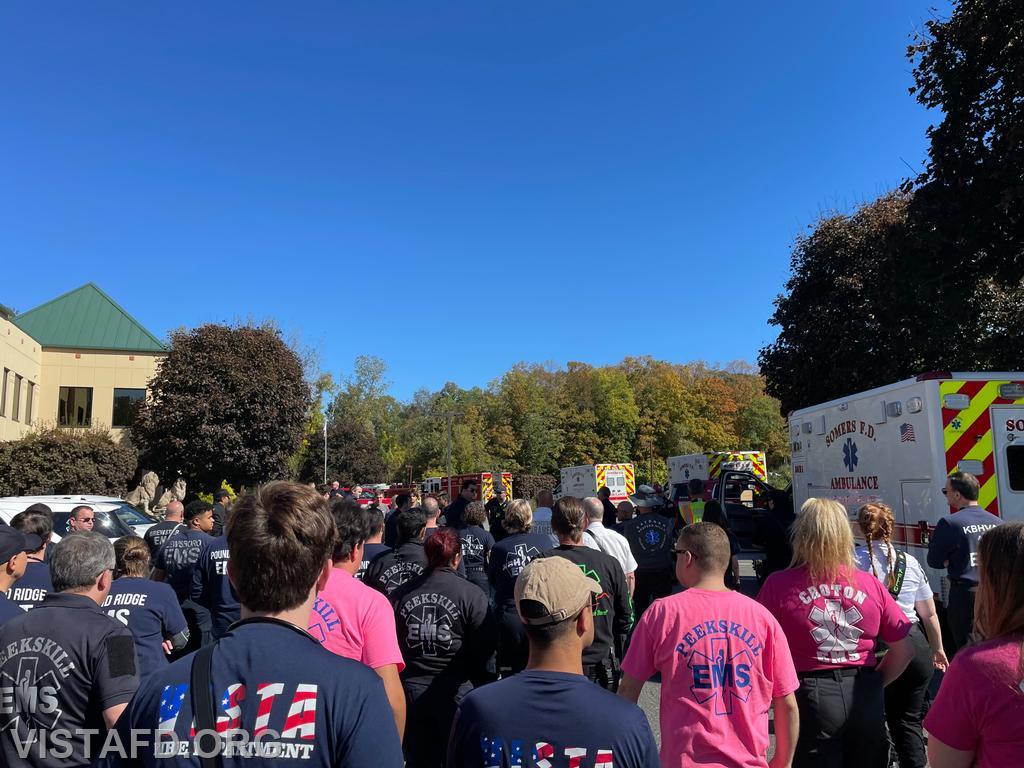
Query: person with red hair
x=447 y=633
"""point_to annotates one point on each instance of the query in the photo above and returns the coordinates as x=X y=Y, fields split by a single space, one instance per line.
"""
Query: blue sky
x=452 y=186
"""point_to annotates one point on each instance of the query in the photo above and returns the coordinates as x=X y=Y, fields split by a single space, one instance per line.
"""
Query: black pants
x=607 y=674
x=650 y=586
x=428 y=721
x=904 y=703
x=960 y=615
x=513 y=647
x=842 y=721
x=200 y=627
x=478 y=577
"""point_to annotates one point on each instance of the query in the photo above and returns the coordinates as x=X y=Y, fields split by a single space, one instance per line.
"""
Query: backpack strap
x=899 y=573
x=203 y=705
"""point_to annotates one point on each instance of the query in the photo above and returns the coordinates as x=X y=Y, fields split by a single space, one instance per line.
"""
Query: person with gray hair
x=613 y=543
x=70 y=659
x=613 y=614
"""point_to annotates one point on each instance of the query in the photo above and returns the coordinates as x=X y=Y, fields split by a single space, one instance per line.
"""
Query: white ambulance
x=898 y=443
x=588 y=479
x=709 y=465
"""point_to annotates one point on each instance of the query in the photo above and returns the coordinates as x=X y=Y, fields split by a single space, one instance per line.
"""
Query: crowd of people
x=303 y=628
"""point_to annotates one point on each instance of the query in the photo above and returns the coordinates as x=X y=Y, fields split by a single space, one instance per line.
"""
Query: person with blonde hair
x=508 y=558
x=832 y=615
x=978 y=717
x=905 y=579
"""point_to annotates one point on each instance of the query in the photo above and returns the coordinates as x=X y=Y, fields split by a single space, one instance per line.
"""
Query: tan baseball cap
x=558 y=585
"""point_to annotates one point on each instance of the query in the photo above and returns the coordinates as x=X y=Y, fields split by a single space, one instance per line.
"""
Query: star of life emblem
x=836 y=631
x=36 y=696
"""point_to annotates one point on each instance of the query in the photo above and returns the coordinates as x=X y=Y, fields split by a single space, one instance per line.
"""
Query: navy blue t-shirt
x=476 y=546
x=31 y=588
x=178 y=557
x=559 y=717
x=370 y=552
x=211 y=587
x=151 y=611
x=508 y=558
x=8 y=610
x=956 y=541
x=289 y=701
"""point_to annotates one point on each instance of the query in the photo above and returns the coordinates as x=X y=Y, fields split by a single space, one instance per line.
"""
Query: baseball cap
x=558 y=586
x=220 y=493
x=12 y=542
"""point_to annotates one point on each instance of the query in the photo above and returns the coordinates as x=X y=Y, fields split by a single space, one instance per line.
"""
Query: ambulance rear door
x=1008 y=449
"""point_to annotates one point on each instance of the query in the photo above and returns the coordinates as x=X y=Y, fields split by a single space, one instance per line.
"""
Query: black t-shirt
x=70 y=662
x=211 y=588
x=220 y=517
x=611 y=516
x=151 y=611
x=178 y=557
x=453 y=513
x=445 y=630
x=650 y=540
x=370 y=553
x=496 y=517
x=290 y=701
x=508 y=558
x=613 y=616
x=391 y=529
x=159 y=533
x=30 y=589
x=551 y=716
x=476 y=547
x=392 y=569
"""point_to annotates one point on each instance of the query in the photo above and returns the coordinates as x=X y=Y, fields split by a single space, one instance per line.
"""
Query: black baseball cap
x=12 y=542
x=220 y=493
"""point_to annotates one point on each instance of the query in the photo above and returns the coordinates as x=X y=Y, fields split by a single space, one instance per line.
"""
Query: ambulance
x=709 y=465
x=587 y=480
x=898 y=443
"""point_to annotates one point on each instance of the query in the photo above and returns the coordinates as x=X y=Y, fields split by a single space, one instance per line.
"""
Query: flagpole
x=325 y=450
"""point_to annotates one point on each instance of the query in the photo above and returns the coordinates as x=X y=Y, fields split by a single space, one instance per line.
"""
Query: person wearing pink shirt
x=833 y=614
x=354 y=620
x=724 y=662
x=978 y=717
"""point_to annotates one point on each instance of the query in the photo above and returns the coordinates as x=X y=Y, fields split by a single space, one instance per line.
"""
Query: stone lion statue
x=143 y=494
x=175 y=493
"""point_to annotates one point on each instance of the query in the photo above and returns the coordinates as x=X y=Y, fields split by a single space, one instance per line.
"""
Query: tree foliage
x=66 y=461
x=930 y=277
x=353 y=455
x=535 y=420
x=226 y=403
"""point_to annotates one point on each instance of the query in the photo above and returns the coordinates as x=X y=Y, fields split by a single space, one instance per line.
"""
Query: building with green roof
x=77 y=361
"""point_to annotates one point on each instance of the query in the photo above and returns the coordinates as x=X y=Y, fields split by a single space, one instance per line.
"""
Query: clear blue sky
x=452 y=186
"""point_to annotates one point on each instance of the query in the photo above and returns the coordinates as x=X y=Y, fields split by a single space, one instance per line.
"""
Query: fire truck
x=898 y=443
x=484 y=480
x=738 y=480
x=587 y=480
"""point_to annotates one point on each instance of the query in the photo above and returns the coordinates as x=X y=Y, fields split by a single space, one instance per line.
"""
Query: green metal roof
x=86 y=318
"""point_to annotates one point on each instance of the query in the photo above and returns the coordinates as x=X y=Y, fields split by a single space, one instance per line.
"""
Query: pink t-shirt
x=980 y=706
x=833 y=624
x=722 y=659
x=355 y=621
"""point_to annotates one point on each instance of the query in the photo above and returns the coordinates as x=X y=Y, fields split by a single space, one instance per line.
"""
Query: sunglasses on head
x=677 y=552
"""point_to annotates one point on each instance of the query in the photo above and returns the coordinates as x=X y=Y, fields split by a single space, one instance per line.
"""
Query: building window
x=30 y=397
x=3 y=394
x=16 y=405
x=126 y=405
x=75 y=407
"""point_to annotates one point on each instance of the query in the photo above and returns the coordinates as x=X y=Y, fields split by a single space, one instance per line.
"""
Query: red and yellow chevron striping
x=967 y=433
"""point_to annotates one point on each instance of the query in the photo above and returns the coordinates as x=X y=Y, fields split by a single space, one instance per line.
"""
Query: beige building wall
x=20 y=356
x=100 y=370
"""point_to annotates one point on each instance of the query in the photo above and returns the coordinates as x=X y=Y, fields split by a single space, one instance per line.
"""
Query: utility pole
x=325 y=449
x=450 y=415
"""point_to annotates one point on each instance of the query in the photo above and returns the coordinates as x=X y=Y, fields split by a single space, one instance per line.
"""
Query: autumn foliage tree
x=227 y=403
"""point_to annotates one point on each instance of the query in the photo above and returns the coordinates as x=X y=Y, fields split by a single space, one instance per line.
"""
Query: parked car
x=114 y=517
